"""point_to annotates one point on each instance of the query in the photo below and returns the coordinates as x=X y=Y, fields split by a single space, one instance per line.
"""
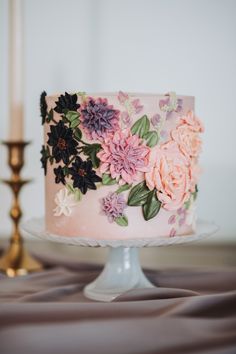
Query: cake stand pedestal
x=123 y=271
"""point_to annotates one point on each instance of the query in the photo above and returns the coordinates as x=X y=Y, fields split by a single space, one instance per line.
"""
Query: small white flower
x=64 y=201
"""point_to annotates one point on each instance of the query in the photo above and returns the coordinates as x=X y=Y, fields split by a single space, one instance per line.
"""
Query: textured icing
x=86 y=217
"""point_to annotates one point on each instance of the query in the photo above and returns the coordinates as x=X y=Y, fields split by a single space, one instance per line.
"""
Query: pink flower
x=131 y=107
x=137 y=107
x=122 y=97
x=123 y=155
x=126 y=119
x=113 y=205
x=169 y=173
x=99 y=118
x=172 y=219
x=188 y=140
x=156 y=119
x=192 y=121
x=173 y=232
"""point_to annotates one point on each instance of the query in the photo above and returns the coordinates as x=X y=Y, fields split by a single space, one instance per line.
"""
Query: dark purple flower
x=66 y=103
x=44 y=158
x=62 y=142
x=43 y=106
x=98 y=118
x=83 y=175
x=59 y=175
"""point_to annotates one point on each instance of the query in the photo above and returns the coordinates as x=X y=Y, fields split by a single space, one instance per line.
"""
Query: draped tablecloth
x=190 y=311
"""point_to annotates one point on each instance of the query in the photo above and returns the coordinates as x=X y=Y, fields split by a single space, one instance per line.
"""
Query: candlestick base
x=16 y=260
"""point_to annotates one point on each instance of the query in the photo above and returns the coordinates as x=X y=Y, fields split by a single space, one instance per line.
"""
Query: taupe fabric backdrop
x=190 y=311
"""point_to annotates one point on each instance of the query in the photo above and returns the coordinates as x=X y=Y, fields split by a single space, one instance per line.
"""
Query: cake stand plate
x=123 y=271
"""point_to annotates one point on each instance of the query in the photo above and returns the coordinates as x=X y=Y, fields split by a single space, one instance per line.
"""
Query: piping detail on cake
x=93 y=144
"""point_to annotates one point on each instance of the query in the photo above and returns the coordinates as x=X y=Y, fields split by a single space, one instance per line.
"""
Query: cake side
x=120 y=166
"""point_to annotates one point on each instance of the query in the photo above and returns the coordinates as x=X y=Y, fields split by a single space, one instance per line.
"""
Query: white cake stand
x=123 y=271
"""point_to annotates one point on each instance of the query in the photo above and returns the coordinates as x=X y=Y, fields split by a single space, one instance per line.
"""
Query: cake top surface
x=130 y=94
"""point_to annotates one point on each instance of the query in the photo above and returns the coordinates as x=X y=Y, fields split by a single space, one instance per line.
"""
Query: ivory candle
x=15 y=71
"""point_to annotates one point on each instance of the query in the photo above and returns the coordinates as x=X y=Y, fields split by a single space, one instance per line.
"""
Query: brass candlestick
x=16 y=260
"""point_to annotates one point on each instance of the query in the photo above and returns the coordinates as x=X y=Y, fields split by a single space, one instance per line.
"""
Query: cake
x=120 y=165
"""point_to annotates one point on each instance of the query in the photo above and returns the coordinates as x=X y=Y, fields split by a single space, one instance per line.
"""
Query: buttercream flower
x=64 y=203
x=66 y=103
x=192 y=121
x=59 y=175
x=169 y=173
x=156 y=120
x=123 y=155
x=188 y=140
x=113 y=205
x=126 y=119
x=171 y=104
x=132 y=107
x=43 y=106
x=62 y=141
x=99 y=118
x=83 y=175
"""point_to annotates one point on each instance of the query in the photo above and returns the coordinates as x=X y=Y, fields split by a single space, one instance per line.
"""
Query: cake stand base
x=121 y=273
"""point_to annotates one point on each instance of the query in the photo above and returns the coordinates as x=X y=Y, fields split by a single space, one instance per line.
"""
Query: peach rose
x=170 y=174
x=193 y=122
x=188 y=140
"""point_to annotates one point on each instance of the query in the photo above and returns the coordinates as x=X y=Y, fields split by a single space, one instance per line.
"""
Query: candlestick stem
x=16 y=260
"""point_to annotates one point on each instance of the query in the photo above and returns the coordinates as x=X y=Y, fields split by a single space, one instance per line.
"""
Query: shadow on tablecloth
x=190 y=311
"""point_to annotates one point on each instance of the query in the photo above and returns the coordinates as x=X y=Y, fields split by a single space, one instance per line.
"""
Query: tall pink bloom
x=192 y=121
x=132 y=107
x=170 y=174
x=123 y=156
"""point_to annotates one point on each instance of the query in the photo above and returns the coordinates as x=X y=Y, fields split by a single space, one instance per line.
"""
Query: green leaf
x=70 y=188
x=107 y=180
x=151 y=138
x=195 y=193
x=122 y=220
x=74 y=123
x=77 y=194
x=65 y=170
x=78 y=133
x=49 y=116
x=152 y=206
x=188 y=203
x=123 y=188
x=47 y=151
x=90 y=147
x=91 y=151
x=138 y=194
x=95 y=160
x=75 y=191
x=72 y=115
x=141 y=127
x=51 y=160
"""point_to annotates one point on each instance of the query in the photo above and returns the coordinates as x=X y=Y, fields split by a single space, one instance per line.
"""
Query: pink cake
x=120 y=165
